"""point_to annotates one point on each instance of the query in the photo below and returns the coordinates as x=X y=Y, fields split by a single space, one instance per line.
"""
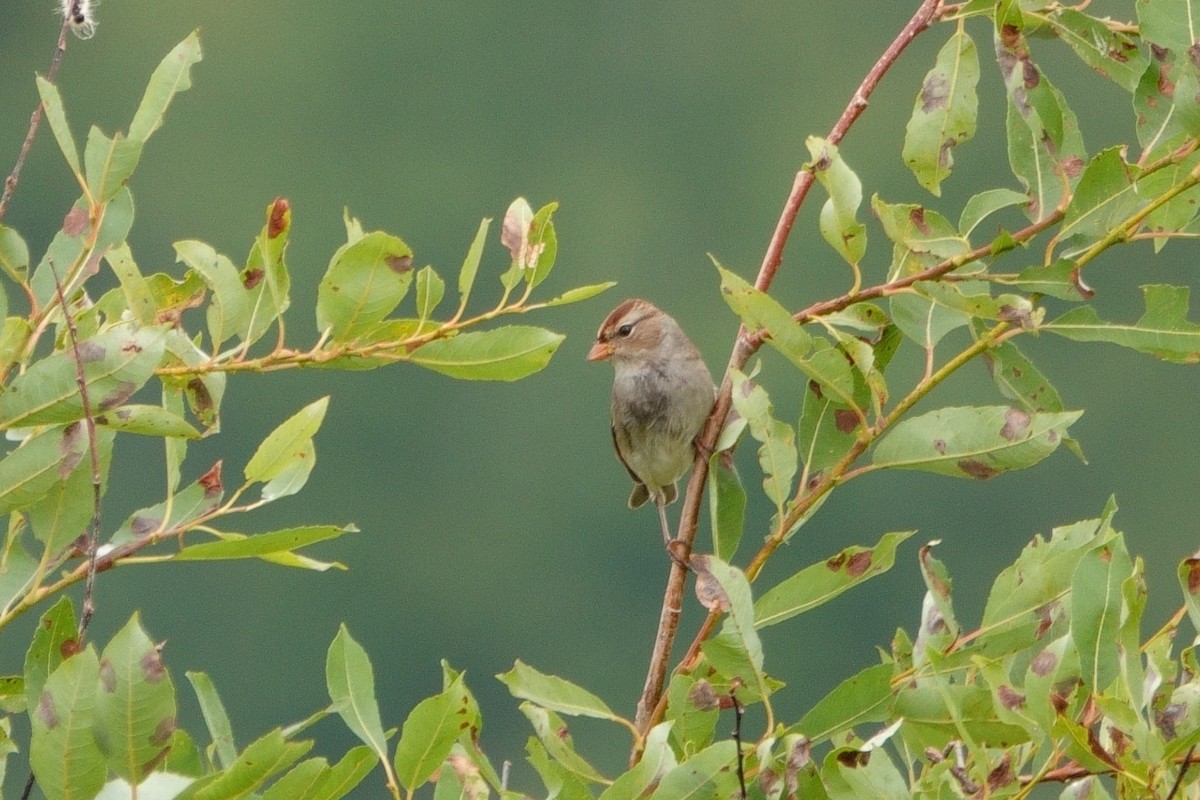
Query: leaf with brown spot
x=62 y=750
x=362 y=285
x=944 y=113
x=969 y=441
x=138 y=699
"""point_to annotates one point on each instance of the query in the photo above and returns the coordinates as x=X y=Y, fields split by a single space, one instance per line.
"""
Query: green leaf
x=552 y=692
x=922 y=320
x=1019 y=379
x=865 y=697
x=365 y=281
x=300 y=782
x=936 y=714
x=944 y=114
x=14 y=255
x=56 y=118
x=263 y=758
x=544 y=241
x=922 y=232
x=430 y=290
x=54 y=639
x=553 y=734
x=838 y=222
x=351 y=683
x=470 y=265
x=973 y=442
x=138 y=297
x=147 y=421
x=135 y=705
x=116 y=363
x=1104 y=198
x=818 y=584
x=261 y=544
x=171 y=76
x=961 y=296
x=657 y=759
x=16 y=571
x=692 y=779
x=1163 y=331
x=108 y=163
x=343 y=776
x=288 y=444
x=62 y=747
x=1096 y=611
x=726 y=506
x=1060 y=279
x=580 y=293
x=777 y=454
x=43 y=461
x=66 y=250
x=428 y=733
x=1045 y=148
x=1189 y=581
x=1111 y=53
x=228 y=312
x=59 y=516
x=214 y=717
x=981 y=206
x=503 y=354
x=192 y=502
x=725 y=588
x=265 y=277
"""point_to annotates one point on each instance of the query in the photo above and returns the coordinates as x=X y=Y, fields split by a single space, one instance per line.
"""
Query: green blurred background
x=493 y=516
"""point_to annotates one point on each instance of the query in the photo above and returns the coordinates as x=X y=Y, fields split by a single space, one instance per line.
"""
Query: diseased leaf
x=1111 y=53
x=553 y=734
x=1104 y=197
x=54 y=639
x=65 y=511
x=41 y=462
x=62 y=747
x=502 y=354
x=228 y=312
x=147 y=421
x=428 y=733
x=838 y=221
x=944 y=114
x=816 y=585
x=973 y=442
x=1163 y=331
x=135 y=703
x=920 y=231
x=365 y=282
x=265 y=277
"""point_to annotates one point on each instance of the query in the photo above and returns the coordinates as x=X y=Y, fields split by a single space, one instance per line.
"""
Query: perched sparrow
x=661 y=395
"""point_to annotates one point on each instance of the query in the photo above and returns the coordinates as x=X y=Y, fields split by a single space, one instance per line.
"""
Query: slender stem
x=35 y=119
x=744 y=347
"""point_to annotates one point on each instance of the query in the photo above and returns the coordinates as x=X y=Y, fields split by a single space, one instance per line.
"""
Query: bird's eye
x=624 y=330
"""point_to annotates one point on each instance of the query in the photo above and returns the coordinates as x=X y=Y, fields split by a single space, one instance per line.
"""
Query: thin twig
x=656 y=675
x=35 y=119
x=1187 y=762
x=93 y=537
x=738 y=711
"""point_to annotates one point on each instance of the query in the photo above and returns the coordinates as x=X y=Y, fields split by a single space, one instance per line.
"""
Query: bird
x=662 y=393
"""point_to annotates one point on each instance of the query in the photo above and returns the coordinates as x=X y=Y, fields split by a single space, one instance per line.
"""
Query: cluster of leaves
x=79 y=370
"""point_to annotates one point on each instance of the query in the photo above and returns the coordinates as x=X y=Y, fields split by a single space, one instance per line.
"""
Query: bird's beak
x=600 y=351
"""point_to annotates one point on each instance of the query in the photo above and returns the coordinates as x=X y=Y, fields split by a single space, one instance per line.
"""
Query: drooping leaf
x=228 y=312
x=193 y=501
x=726 y=506
x=1163 y=331
x=553 y=734
x=502 y=354
x=819 y=583
x=922 y=232
x=973 y=442
x=944 y=114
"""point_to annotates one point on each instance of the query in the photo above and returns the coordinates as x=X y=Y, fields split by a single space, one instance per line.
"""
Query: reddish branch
x=744 y=347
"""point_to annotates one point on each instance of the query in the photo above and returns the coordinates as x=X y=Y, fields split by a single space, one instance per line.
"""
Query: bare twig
x=35 y=119
x=93 y=536
x=743 y=348
x=738 y=711
x=1187 y=762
